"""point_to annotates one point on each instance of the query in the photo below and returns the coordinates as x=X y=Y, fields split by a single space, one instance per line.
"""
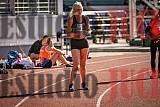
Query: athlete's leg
x=75 y=57
x=83 y=59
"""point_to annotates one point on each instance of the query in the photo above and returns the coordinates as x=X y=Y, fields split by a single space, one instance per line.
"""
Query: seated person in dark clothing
x=35 y=49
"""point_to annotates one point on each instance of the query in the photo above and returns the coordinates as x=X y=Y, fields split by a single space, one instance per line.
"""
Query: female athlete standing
x=78 y=29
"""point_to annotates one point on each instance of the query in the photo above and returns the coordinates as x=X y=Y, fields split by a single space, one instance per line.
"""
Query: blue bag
x=12 y=56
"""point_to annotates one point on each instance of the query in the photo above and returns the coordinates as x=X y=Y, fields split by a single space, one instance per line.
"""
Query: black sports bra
x=79 y=27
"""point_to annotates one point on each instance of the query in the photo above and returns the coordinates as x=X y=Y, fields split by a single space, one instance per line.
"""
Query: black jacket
x=35 y=48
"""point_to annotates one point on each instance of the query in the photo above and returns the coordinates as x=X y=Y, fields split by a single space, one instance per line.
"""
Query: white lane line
x=121 y=66
x=108 y=89
x=26 y=98
x=61 y=68
x=112 y=54
x=117 y=59
x=26 y=75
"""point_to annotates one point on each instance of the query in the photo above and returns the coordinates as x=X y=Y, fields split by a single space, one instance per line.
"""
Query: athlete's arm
x=71 y=34
x=87 y=25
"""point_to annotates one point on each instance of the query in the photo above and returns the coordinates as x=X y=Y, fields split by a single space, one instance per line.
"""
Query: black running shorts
x=79 y=43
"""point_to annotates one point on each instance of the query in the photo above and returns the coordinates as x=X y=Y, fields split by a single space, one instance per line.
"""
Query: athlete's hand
x=81 y=35
x=71 y=35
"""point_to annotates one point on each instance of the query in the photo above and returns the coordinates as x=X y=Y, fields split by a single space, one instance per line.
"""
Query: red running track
x=118 y=80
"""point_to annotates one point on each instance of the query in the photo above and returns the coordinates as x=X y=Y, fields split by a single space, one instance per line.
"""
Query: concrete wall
x=24 y=30
x=20 y=31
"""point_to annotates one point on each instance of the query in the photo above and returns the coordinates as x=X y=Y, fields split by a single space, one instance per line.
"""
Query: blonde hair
x=75 y=5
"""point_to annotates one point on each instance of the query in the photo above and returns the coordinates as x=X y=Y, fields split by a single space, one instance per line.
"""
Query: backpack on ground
x=12 y=56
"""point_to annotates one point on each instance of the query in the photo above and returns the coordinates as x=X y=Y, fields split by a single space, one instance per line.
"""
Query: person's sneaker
x=89 y=57
x=71 y=87
x=69 y=65
x=55 y=64
x=154 y=74
x=84 y=86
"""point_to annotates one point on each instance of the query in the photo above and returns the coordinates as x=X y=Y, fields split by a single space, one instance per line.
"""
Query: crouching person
x=49 y=55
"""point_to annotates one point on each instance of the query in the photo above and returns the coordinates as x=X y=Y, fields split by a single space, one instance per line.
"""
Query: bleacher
x=109 y=25
x=4 y=7
x=28 y=7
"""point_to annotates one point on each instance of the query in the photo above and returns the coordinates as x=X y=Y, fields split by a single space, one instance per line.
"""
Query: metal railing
x=27 y=7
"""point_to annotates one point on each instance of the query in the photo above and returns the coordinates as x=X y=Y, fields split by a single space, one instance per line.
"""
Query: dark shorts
x=46 y=63
x=79 y=43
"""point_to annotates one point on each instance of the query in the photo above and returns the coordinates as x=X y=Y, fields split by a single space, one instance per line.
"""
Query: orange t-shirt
x=155 y=28
x=44 y=54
